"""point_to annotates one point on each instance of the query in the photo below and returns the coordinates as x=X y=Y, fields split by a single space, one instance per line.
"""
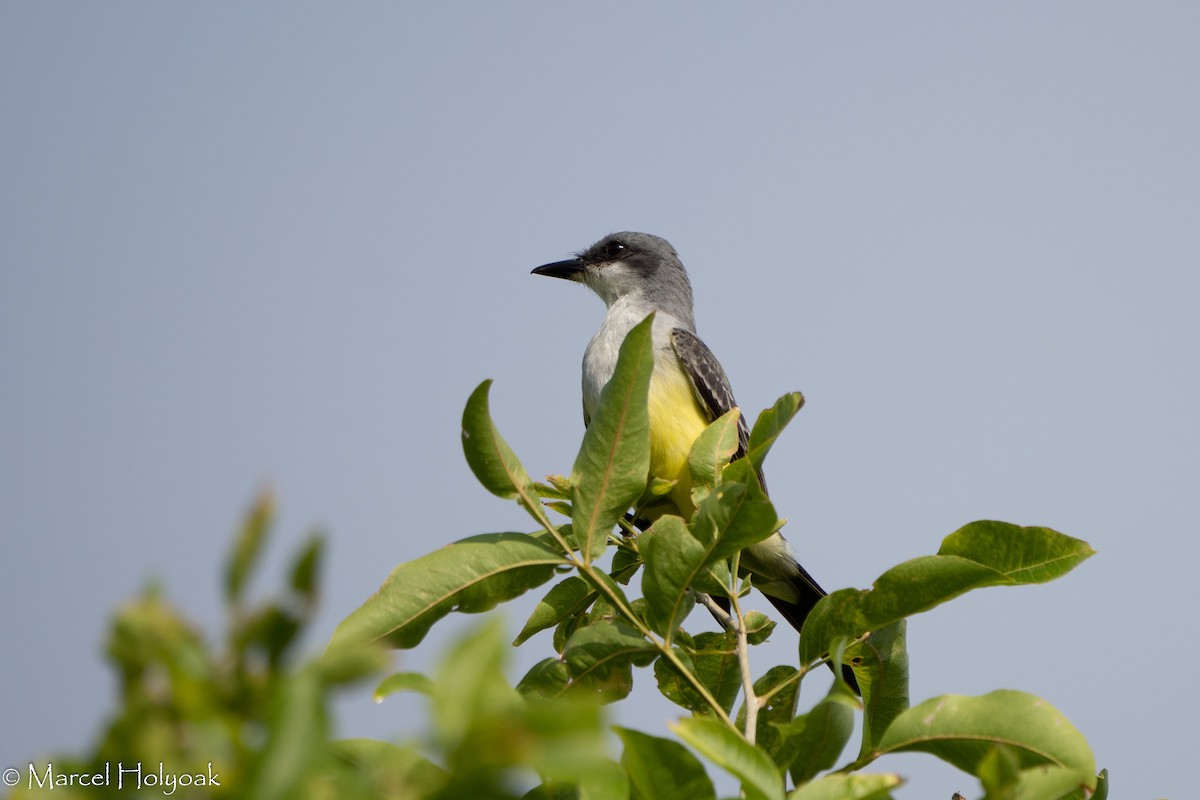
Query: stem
x=752 y=702
x=535 y=509
x=722 y=616
x=618 y=602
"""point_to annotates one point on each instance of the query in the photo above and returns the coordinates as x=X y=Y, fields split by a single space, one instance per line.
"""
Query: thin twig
x=714 y=608
x=743 y=652
x=592 y=574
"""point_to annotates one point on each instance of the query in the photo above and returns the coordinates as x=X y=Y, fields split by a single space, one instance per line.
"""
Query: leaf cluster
x=603 y=633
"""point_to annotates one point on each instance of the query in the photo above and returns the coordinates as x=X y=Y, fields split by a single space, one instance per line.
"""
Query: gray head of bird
x=629 y=265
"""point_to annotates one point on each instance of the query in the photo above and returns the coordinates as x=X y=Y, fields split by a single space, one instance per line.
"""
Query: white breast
x=600 y=358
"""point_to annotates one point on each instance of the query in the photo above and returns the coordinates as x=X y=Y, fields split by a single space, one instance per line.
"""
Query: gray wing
x=710 y=383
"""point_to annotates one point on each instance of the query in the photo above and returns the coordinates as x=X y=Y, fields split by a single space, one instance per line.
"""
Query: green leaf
x=734 y=516
x=603 y=780
x=711 y=452
x=813 y=742
x=978 y=555
x=306 y=567
x=566 y=629
x=770 y=424
x=403 y=682
x=660 y=769
x=674 y=557
x=758 y=627
x=1037 y=783
x=570 y=748
x=546 y=680
x=299 y=727
x=610 y=589
x=712 y=658
x=626 y=561
x=998 y=771
x=384 y=766
x=247 y=548
x=726 y=748
x=350 y=664
x=565 y=599
x=779 y=710
x=881 y=666
x=1022 y=555
x=489 y=456
x=271 y=628
x=611 y=470
x=470 y=690
x=963 y=730
x=556 y=488
x=601 y=657
x=470 y=576
x=848 y=787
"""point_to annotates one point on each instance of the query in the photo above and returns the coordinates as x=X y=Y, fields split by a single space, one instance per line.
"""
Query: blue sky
x=280 y=244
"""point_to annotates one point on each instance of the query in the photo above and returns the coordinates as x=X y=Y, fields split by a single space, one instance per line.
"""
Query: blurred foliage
x=242 y=718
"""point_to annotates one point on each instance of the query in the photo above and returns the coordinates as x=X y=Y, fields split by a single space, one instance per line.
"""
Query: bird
x=637 y=274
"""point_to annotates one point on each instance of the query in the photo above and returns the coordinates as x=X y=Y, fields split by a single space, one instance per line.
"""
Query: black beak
x=571 y=269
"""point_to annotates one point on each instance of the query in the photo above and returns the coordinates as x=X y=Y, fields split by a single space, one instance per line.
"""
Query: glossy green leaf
x=881 y=666
x=978 y=555
x=770 y=424
x=998 y=771
x=711 y=452
x=712 y=658
x=626 y=562
x=726 y=748
x=849 y=787
x=402 y=682
x=566 y=598
x=545 y=680
x=963 y=730
x=610 y=589
x=660 y=769
x=813 y=742
x=758 y=627
x=1046 y=781
x=733 y=516
x=780 y=689
x=601 y=657
x=613 y=464
x=489 y=456
x=556 y=488
x=1022 y=555
x=472 y=575
x=674 y=558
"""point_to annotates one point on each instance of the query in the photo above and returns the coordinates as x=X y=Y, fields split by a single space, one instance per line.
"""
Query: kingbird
x=636 y=274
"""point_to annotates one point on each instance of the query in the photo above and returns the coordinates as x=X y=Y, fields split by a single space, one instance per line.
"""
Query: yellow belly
x=676 y=419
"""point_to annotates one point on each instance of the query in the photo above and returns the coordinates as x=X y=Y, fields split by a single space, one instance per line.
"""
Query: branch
x=743 y=651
